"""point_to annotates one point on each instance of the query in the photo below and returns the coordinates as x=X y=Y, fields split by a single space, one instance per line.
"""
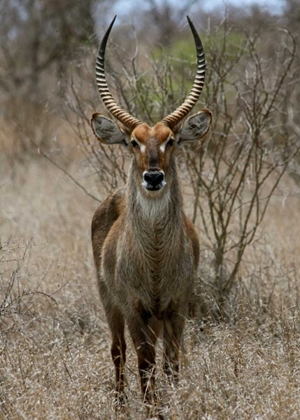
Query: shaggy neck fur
x=153 y=221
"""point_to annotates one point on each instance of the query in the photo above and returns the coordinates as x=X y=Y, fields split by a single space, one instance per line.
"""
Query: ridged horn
x=124 y=117
x=173 y=119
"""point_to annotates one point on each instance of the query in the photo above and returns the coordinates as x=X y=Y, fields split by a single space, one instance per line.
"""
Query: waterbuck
x=145 y=248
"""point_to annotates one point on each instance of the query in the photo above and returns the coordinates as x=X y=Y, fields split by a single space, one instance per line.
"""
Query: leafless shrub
x=235 y=173
x=16 y=297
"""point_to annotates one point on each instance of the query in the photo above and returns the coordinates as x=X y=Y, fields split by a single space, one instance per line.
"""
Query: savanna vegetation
x=241 y=355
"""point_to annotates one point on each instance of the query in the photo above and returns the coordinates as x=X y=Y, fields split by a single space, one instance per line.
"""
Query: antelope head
x=152 y=147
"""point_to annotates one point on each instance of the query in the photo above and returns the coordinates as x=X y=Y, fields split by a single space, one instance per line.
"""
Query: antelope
x=146 y=250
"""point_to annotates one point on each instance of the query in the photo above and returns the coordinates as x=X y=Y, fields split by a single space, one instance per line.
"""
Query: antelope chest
x=155 y=271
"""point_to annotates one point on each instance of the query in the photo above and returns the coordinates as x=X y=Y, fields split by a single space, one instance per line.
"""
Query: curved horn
x=126 y=119
x=173 y=119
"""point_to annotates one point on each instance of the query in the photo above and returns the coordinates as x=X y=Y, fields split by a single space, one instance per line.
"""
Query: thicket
x=251 y=85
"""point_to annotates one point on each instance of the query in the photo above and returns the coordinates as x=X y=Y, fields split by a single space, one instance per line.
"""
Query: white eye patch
x=141 y=145
x=163 y=146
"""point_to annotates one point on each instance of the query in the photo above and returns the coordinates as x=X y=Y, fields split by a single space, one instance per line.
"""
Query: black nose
x=153 y=179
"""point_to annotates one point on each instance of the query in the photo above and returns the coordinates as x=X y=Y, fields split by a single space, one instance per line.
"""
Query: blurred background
x=46 y=45
x=241 y=188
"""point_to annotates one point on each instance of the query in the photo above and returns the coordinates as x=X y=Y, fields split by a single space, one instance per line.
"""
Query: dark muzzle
x=154 y=180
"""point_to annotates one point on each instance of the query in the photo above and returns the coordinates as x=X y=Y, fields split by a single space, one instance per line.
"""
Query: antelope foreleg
x=118 y=349
x=144 y=339
x=173 y=329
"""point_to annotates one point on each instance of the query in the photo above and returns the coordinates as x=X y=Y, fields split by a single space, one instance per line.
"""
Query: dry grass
x=54 y=356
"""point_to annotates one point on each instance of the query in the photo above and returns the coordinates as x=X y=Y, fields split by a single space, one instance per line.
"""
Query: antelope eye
x=134 y=143
x=170 y=142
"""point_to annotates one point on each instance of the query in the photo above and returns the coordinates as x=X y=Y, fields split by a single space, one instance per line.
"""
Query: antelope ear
x=107 y=131
x=195 y=127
